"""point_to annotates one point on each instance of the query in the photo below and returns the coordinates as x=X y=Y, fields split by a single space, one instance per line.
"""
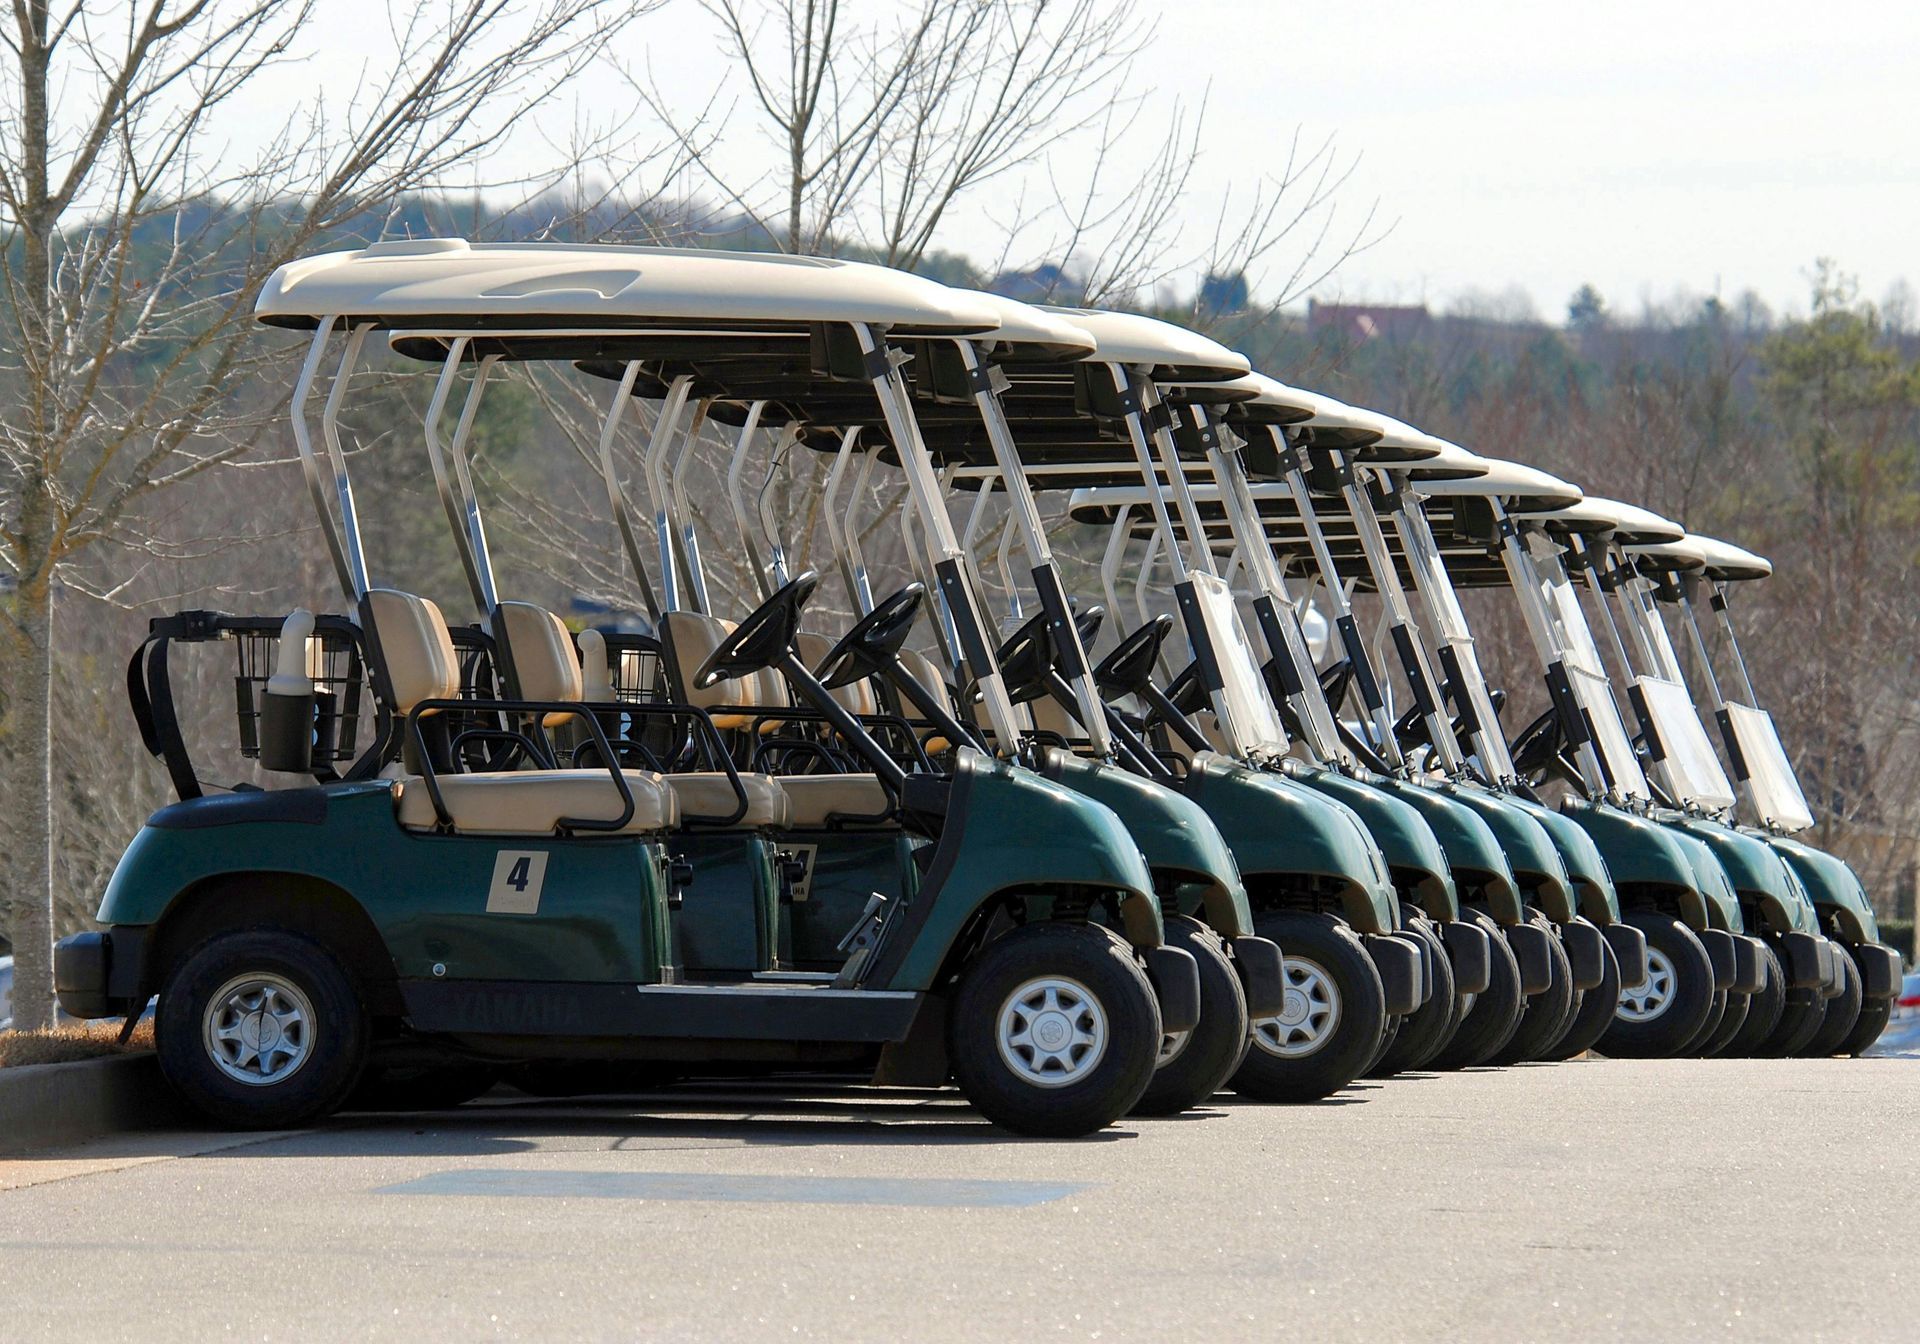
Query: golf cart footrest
x=1263 y=975
x=1879 y=967
x=1807 y=959
x=750 y=1012
x=1530 y=949
x=1720 y=954
x=1749 y=970
x=1470 y=953
x=80 y=974
x=1586 y=952
x=1398 y=961
x=1176 y=983
x=1629 y=950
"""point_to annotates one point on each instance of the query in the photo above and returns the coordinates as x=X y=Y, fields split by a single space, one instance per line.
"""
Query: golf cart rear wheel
x=1873 y=1019
x=1657 y=1018
x=1546 y=1015
x=1494 y=1013
x=1427 y=1028
x=1763 y=1010
x=1592 y=1011
x=1335 y=1012
x=1193 y=1065
x=1843 y=1010
x=1054 y=1030
x=261 y=1029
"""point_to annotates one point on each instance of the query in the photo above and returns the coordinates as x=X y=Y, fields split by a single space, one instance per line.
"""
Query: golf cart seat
x=689 y=637
x=418 y=656
x=820 y=800
x=857 y=696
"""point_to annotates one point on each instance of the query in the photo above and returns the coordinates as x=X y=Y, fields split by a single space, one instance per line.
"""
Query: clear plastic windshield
x=1691 y=771
x=1255 y=726
x=1585 y=672
x=1775 y=789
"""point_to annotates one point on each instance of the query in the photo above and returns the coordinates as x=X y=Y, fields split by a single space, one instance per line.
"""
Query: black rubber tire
x=336 y=1037
x=1679 y=1022
x=1494 y=1014
x=1424 y=1031
x=1763 y=1010
x=1325 y=945
x=1873 y=1019
x=1722 y=1000
x=1545 y=1016
x=1106 y=969
x=1209 y=1053
x=1592 y=1012
x=1801 y=1016
x=427 y=1088
x=1738 y=1006
x=1843 y=1010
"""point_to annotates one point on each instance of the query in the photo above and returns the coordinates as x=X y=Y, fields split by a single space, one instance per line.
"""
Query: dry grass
x=63 y=1045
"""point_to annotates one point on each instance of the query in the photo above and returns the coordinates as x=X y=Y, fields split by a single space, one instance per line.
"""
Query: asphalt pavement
x=1744 y=1200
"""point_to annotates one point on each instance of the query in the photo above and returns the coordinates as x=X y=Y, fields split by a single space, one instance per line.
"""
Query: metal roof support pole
x=310 y=465
x=856 y=553
x=836 y=518
x=769 y=526
x=616 y=497
x=1110 y=560
x=356 y=556
x=457 y=494
x=943 y=631
x=672 y=407
x=950 y=564
x=738 y=504
x=682 y=456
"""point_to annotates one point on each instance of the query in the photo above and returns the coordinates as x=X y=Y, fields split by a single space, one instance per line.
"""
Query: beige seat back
x=689 y=638
x=545 y=667
x=414 y=646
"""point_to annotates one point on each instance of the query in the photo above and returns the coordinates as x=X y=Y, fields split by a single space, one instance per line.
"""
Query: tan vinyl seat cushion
x=527 y=802
x=691 y=637
x=710 y=793
x=817 y=799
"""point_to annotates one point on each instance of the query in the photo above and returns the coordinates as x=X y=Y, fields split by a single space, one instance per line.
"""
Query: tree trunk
x=29 y=805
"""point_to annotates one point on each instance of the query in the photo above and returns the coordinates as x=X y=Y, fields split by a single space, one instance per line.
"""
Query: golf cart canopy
x=477 y=287
x=1628 y=524
x=1523 y=489
x=1159 y=350
x=1721 y=561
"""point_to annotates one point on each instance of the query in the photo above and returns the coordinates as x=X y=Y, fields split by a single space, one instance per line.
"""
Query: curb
x=44 y=1104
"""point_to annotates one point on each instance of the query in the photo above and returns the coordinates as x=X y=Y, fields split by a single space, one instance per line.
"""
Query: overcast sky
x=1649 y=149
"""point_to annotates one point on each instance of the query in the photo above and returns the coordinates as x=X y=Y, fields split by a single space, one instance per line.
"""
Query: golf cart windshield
x=1776 y=790
x=1586 y=674
x=1249 y=709
x=1683 y=751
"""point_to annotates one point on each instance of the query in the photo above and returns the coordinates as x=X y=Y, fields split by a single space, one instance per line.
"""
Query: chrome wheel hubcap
x=1308 y=1019
x=1654 y=995
x=258 y=1029
x=1052 y=1031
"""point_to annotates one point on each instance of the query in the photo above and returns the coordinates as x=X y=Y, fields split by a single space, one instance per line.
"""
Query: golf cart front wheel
x=1663 y=1014
x=1592 y=1010
x=1490 y=1017
x=1335 y=1010
x=1195 y=1064
x=1764 y=1008
x=1425 y=1030
x=1547 y=1014
x=1054 y=1030
x=1843 y=1010
x=1873 y=1019
x=261 y=1029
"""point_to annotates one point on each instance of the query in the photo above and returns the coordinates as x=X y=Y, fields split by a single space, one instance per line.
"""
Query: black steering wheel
x=1186 y=692
x=1026 y=659
x=1538 y=746
x=1129 y=668
x=1087 y=623
x=761 y=640
x=1335 y=681
x=869 y=648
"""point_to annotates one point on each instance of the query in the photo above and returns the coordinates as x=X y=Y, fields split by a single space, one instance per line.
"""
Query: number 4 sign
x=517 y=878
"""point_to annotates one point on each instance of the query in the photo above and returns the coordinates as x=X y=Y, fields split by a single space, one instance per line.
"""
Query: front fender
x=1641 y=853
x=1173 y=833
x=1757 y=872
x=1834 y=888
x=1530 y=851
x=1473 y=850
x=1592 y=883
x=1405 y=841
x=1279 y=828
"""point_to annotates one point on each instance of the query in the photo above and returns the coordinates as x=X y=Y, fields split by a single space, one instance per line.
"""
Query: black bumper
x=1470 y=954
x=1629 y=950
x=1530 y=948
x=1807 y=959
x=1402 y=974
x=1586 y=952
x=1262 y=975
x=1879 y=967
x=1176 y=983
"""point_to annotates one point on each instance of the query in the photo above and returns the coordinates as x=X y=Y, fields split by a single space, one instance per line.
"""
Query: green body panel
x=1173 y=833
x=1473 y=850
x=1279 y=828
x=844 y=869
x=1592 y=884
x=1009 y=830
x=1530 y=851
x=1757 y=872
x=598 y=918
x=729 y=915
x=1409 y=846
x=1641 y=853
x=1835 y=889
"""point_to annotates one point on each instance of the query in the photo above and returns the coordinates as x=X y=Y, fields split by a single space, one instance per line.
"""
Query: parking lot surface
x=1598 y=1199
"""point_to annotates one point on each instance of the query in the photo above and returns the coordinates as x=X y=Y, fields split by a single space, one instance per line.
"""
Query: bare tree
x=135 y=245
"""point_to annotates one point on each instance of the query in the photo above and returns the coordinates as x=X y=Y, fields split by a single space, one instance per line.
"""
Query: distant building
x=1366 y=321
x=1046 y=283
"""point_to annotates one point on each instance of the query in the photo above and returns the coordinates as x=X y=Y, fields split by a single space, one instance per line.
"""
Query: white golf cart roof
x=1168 y=353
x=1630 y=524
x=434 y=282
x=1036 y=330
x=1717 y=559
x=1524 y=489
